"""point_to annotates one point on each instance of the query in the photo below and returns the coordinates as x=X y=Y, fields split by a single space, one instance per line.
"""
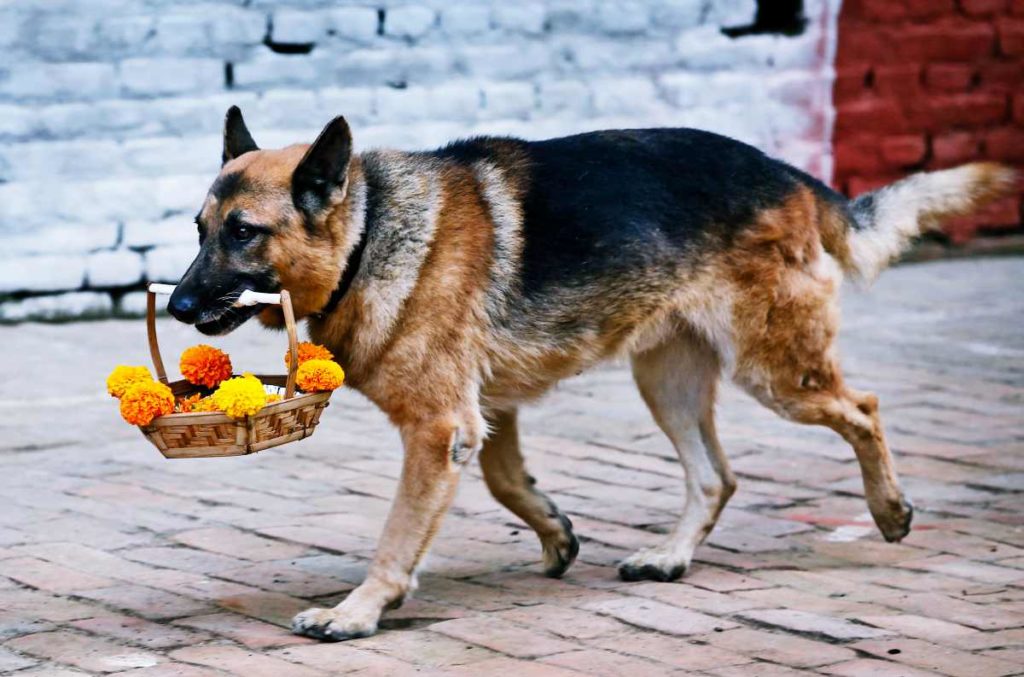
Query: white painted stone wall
x=110 y=110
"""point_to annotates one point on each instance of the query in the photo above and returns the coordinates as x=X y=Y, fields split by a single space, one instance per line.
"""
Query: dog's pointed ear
x=323 y=168
x=237 y=139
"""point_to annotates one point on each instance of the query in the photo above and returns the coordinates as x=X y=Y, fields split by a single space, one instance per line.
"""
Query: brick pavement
x=113 y=560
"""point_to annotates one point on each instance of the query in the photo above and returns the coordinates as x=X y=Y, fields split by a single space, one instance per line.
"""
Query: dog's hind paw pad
x=330 y=625
x=649 y=565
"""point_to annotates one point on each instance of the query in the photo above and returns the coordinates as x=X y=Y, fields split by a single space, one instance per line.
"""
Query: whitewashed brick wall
x=110 y=110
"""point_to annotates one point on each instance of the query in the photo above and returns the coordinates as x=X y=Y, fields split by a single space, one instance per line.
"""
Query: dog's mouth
x=220 y=321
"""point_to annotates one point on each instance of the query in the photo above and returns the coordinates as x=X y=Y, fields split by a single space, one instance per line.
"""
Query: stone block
x=72 y=305
x=466 y=20
x=564 y=96
x=509 y=99
x=176 y=230
x=77 y=238
x=124 y=33
x=622 y=17
x=281 y=69
x=525 y=17
x=42 y=273
x=113 y=268
x=60 y=37
x=409 y=21
x=133 y=304
x=358 y=24
x=17 y=122
x=162 y=77
x=625 y=96
x=357 y=104
x=169 y=263
x=296 y=27
x=459 y=100
x=74 y=81
x=505 y=62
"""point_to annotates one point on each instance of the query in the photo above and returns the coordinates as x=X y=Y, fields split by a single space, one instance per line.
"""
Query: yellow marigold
x=204 y=365
x=145 y=400
x=123 y=376
x=319 y=375
x=205 y=404
x=309 y=351
x=188 y=404
x=273 y=397
x=240 y=396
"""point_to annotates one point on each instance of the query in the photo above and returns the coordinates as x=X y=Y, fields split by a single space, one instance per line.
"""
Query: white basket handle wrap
x=248 y=297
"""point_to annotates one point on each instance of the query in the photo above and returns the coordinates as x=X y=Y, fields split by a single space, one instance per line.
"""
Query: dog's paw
x=332 y=625
x=652 y=565
x=560 y=553
x=894 y=521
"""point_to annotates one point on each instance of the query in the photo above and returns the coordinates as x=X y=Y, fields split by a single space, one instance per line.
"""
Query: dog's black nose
x=183 y=306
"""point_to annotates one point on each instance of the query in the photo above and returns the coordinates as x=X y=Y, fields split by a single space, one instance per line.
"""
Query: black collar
x=347 y=276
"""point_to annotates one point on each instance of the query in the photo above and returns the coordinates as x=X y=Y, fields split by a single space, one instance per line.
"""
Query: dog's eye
x=243 y=233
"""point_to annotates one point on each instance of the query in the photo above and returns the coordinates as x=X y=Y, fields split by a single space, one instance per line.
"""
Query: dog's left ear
x=323 y=168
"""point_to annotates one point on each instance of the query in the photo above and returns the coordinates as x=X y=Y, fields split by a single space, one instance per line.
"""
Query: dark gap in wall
x=229 y=75
x=289 y=47
x=381 y=15
x=776 y=17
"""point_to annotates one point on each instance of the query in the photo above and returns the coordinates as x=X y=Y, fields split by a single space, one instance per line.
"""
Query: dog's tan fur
x=427 y=333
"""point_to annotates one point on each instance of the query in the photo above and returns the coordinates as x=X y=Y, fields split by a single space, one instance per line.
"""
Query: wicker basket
x=210 y=434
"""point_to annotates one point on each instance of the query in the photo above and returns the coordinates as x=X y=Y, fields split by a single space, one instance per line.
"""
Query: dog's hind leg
x=507 y=479
x=677 y=380
x=785 y=320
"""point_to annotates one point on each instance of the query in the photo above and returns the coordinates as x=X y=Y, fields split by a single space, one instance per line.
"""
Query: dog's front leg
x=435 y=452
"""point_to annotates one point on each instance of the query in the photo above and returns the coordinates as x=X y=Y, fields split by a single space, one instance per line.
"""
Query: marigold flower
x=240 y=396
x=319 y=376
x=124 y=377
x=204 y=365
x=309 y=351
x=145 y=400
x=205 y=404
x=273 y=397
x=188 y=404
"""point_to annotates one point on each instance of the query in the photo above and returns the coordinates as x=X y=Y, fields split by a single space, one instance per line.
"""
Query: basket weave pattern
x=214 y=434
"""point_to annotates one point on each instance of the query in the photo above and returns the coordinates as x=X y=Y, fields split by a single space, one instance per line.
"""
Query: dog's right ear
x=237 y=139
x=323 y=169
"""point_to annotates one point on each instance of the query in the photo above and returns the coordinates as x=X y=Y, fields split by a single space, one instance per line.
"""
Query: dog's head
x=270 y=221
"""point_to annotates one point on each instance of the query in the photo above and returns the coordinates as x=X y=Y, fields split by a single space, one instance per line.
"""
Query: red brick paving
x=115 y=561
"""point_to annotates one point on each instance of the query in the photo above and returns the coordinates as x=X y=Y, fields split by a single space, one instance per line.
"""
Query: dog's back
x=604 y=204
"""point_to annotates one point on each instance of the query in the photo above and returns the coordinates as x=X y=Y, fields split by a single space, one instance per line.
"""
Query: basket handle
x=247 y=298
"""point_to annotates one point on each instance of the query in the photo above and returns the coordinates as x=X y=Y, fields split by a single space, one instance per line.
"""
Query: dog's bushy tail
x=881 y=224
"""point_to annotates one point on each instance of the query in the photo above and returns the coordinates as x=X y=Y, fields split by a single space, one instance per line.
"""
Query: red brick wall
x=926 y=84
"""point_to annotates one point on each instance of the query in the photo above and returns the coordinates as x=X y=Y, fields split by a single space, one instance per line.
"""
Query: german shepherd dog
x=457 y=284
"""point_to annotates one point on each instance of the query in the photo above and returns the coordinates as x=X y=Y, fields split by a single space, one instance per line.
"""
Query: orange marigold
x=123 y=377
x=146 y=400
x=309 y=351
x=204 y=365
x=319 y=375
